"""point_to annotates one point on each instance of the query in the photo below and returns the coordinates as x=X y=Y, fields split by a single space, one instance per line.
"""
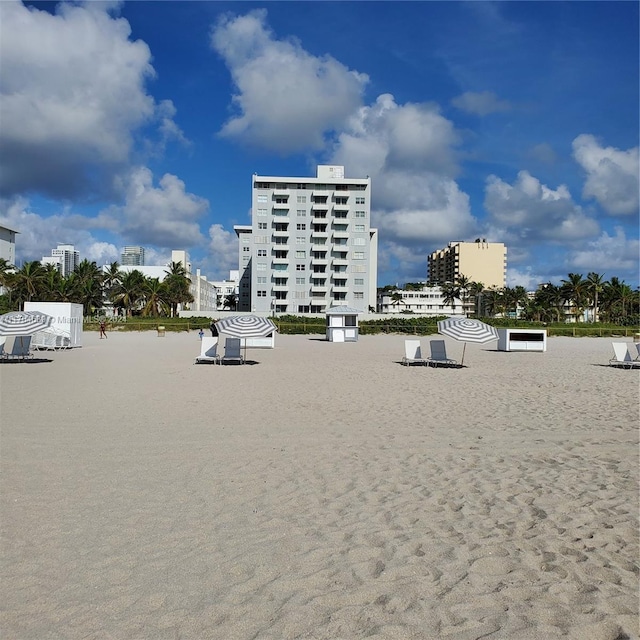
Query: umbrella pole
x=463 y=349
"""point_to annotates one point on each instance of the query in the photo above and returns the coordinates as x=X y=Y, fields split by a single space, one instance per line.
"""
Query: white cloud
x=38 y=234
x=612 y=254
x=480 y=103
x=612 y=175
x=72 y=95
x=525 y=278
x=166 y=216
x=287 y=99
x=222 y=252
x=408 y=151
x=529 y=210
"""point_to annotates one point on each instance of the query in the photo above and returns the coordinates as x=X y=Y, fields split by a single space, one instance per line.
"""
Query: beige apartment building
x=480 y=261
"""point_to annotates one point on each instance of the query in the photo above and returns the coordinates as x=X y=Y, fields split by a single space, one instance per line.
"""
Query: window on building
x=301 y=240
x=358 y=282
x=261 y=197
x=262 y=253
x=358 y=255
x=261 y=239
x=302 y=199
x=301 y=267
x=301 y=226
x=301 y=213
x=301 y=254
x=359 y=242
x=359 y=227
x=359 y=200
x=261 y=212
x=261 y=279
x=358 y=295
x=301 y=280
x=246 y=248
x=361 y=214
x=262 y=225
x=261 y=266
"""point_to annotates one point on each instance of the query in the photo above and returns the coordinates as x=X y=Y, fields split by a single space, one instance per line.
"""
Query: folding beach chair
x=232 y=351
x=412 y=353
x=439 y=354
x=208 y=351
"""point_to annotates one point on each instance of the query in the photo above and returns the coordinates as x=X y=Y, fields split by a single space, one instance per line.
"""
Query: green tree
x=27 y=283
x=230 y=302
x=155 y=296
x=396 y=299
x=595 y=286
x=450 y=294
x=128 y=293
x=178 y=287
x=574 y=290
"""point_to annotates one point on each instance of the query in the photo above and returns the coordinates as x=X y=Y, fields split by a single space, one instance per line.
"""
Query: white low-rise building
x=427 y=301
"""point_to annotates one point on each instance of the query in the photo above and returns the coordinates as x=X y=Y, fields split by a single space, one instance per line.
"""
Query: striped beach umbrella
x=23 y=323
x=467 y=330
x=244 y=327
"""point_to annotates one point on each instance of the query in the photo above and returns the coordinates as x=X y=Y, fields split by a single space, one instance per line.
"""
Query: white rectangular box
x=67 y=318
x=522 y=339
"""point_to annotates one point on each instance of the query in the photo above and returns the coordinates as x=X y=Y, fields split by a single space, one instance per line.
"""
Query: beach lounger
x=412 y=353
x=16 y=347
x=439 y=354
x=208 y=351
x=622 y=356
x=232 y=351
x=637 y=346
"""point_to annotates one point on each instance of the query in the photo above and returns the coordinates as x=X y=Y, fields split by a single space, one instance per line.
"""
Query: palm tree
x=550 y=297
x=230 y=302
x=463 y=282
x=574 y=290
x=492 y=300
x=155 y=294
x=129 y=291
x=111 y=277
x=396 y=299
x=450 y=293
x=595 y=286
x=178 y=284
x=6 y=269
x=475 y=292
x=27 y=282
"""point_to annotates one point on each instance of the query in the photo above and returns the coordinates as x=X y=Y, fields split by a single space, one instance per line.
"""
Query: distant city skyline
x=511 y=121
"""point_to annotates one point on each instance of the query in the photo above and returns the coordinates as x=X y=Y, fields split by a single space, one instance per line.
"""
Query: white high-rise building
x=132 y=257
x=65 y=257
x=310 y=245
x=8 y=244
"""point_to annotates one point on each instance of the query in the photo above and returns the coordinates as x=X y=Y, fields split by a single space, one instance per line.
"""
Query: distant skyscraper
x=65 y=257
x=132 y=257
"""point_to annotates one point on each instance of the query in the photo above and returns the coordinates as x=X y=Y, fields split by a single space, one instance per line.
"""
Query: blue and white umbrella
x=467 y=330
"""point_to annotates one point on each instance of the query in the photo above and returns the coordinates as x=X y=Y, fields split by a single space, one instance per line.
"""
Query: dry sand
x=324 y=492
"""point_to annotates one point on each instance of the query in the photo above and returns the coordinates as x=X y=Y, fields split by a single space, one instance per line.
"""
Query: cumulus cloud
x=612 y=175
x=480 y=103
x=287 y=100
x=166 y=216
x=614 y=254
x=408 y=151
x=39 y=234
x=530 y=211
x=223 y=252
x=72 y=94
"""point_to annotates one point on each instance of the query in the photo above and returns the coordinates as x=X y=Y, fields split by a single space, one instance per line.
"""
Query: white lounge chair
x=412 y=353
x=208 y=351
x=16 y=347
x=622 y=356
x=232 y=351
x=439 y=354
x=637 y=345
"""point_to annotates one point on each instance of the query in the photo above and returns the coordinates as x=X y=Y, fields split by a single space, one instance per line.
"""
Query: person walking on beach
x=201 y=334
x=103 y=329
x=214 y=329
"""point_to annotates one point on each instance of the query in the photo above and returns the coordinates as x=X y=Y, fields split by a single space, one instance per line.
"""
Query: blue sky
x=143 y=122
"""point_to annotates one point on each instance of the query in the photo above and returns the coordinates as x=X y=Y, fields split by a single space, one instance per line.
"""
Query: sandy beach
x=322 y=492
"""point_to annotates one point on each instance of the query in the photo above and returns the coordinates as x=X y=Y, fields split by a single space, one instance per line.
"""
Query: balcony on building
x=281 y=191
x=339 y=259
x=279 y=233
x=279 y=260
x=319 y=213
x=319 y=258
x=319 y=231
x=281 y=213
x=319 y=285
x=340 y=234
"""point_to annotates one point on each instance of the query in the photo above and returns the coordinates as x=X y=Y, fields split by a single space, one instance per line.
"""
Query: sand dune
x=324 y=492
